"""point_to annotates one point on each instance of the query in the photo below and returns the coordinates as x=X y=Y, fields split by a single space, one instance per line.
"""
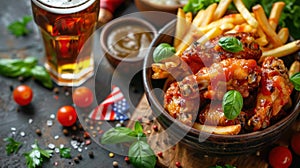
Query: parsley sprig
x=140 y=153
x=36 y=156
x=12 y=146
x=65 y=152
x=19 y=27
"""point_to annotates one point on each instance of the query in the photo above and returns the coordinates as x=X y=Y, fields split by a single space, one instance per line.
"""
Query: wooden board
x=160 y=142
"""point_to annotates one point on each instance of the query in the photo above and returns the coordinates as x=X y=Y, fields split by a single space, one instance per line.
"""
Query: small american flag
x=114 y=107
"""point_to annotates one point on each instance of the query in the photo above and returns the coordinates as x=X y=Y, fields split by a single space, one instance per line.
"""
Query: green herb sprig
x=163 y=51
x=225 y=166
x=231 y=44
x=12 y=146
x=140 y=153
x=36 y=156
x=65 y=152
x=19 y=28
x=295 y=79
x=25 y=68
x=232 y=104
x=195 y=5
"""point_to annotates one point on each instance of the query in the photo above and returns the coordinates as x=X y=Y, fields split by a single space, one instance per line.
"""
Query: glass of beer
x=66 y=27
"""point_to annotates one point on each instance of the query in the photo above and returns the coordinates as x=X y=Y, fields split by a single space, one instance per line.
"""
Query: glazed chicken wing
x=274 y=92
x=198 y=55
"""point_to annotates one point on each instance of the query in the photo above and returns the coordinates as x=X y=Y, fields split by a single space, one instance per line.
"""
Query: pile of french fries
x=212 y=21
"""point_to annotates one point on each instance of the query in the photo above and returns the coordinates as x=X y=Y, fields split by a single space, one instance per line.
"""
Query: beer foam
x=63 y=6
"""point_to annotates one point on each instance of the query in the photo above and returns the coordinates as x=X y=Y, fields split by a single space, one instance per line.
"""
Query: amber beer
x=66 y=27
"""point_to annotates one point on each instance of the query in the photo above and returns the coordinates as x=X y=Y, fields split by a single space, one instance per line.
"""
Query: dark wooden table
x=22 y=122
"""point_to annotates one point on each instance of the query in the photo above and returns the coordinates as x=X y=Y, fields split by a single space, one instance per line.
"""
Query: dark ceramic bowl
x=125 y=64
x=210 y=144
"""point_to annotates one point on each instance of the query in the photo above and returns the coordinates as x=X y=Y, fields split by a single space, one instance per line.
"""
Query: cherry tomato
x=83 y=97
x=280 y=157
x=66 y=115
x=295 y=143
x=23 y=95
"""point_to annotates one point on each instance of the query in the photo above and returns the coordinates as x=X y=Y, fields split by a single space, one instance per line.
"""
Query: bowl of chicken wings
x=220 y=95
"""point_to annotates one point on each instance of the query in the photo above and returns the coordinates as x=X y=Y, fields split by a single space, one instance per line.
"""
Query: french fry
x=283 y=50
x=245 y=13
x=263 y=22
x=295 y=68
x=188 y=18
x=262 y=40
x=226 y=26
x=209 y=12
x=221 y=9
x=180 y=27
x=198 y=18
x=210 y=35
x=223 y=130
x=234 y=19
x=242 y=28
x=283 y=34
x=275 y=14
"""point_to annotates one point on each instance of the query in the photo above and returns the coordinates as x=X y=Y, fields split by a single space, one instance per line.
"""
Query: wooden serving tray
x=189 y=158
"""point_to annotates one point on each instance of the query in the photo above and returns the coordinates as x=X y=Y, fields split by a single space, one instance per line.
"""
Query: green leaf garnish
x=295 y=79
x=163 y=51
x=25 y=68
x=232 y=104
x=225 y=166
x=65 y=152
x=231 y=44
x=12 y=146
x=36 y=156
x=140 y=153
x=19 y=28
x=195 y=5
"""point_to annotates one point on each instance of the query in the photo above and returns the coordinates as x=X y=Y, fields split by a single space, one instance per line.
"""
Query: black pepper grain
x=56 y=90
x=76 y=160
x=65 y=131
x=91 y=154
x=38 y=132
x=79 y=156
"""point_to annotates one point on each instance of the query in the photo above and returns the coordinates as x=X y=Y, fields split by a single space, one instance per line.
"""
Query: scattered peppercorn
x=21 y=79
x=38 y=132
x=56 y=90
x=74 y=128
x=80 y=126
x=126 y=159
x=73 y=137
x=65 y=132
x=111 y=155
x=79 y=156
x=155 y=127
x=91 y=154
x=115 y=163
x=76 y=160
x=86 y=135
x=160 y=154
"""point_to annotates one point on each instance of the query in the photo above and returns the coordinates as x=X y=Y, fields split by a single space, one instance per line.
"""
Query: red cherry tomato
x=280 y=157
x=66 y=115
x=83 y=97
x=295 y=143
x=23 y=95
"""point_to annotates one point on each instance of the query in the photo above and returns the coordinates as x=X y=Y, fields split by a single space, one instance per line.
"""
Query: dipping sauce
x=127 y=41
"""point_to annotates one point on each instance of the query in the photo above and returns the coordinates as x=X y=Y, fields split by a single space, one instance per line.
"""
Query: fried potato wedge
x=223 y=130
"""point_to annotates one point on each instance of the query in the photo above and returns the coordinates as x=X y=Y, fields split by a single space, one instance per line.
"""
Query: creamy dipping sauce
x=127 y=41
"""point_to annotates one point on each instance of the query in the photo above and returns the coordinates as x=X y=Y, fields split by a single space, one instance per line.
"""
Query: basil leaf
x=141 y=155
x=41 y=75
x=232 y=104
x=163 y=51
x=65 y=152
x=118 y=135
x=138 y=127
x=295 y=79
x=12 y=146
x=18 y=28
x=30 y=61
x=231 y=44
